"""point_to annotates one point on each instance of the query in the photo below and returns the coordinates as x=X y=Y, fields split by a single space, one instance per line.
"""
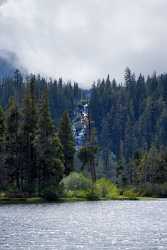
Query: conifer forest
x=53 y=133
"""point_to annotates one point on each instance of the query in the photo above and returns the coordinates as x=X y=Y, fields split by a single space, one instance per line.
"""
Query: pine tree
x=2 y=129
x=28 y=133
x=12 y=143
x=56 y=168
x=67 y=140
x=49 y=150
x=2 y=148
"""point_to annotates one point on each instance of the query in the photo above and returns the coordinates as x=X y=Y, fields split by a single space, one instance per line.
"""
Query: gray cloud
x=2 y=2
x=85 y=40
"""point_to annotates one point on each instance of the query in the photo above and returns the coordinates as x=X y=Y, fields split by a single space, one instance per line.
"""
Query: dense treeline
x=62 y=96
x=131 y=120
x=130 y=117
x=128 y=143
x=33 y=151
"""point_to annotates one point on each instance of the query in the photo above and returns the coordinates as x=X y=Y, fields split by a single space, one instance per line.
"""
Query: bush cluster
x=76 y=185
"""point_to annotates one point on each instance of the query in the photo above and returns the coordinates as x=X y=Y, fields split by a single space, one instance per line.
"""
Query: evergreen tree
x=49 y=150
x=12 y=144
x=2 y=148
x=67 y=140
x=28 y=133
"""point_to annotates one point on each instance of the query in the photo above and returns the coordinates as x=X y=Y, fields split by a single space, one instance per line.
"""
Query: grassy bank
x=39 y=200
x=32 y=200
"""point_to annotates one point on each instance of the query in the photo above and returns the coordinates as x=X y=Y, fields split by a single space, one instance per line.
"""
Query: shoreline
x=38 y=200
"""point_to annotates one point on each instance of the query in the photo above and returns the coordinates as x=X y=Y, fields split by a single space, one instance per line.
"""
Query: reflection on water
x=110 y=225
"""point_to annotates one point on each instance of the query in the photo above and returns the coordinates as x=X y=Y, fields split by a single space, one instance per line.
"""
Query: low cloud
x=2 y=2
x=85 y=40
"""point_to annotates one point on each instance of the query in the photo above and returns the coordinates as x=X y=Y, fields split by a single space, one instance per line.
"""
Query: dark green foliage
x=67 y=141
x=62 y=96
x=153 y=190
x=28 y=132
x=2 y=148
x=86 y=155
x=130 y=120
x=150 y=167
x=130 y=117
x=106 y=165
x=50 y=194
x=50 y=158
x=2 y=127
x=32 y=156
x=92 y=195
x=13 y=154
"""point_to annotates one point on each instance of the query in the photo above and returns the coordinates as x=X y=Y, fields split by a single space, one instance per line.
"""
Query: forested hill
x=63 y=96
x=128 y=146
x=36 y=140
x=130 y=117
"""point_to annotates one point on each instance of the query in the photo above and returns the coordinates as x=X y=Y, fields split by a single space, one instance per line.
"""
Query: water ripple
x=116 y=225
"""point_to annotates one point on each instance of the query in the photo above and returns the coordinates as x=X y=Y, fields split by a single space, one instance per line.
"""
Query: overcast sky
x=84 y=40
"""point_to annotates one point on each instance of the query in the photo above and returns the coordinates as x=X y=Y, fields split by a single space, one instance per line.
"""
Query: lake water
x=100 y=225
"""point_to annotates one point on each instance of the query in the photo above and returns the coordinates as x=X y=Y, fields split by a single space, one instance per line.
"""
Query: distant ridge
x=8 y=64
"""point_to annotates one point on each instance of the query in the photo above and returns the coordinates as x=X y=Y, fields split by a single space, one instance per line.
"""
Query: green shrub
x=2 y=195
x=106 y=189
x=76 y=185
x=76 y=181
x=82 y=194
x=92 y=195
x=163 y=193
x=130 y=194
